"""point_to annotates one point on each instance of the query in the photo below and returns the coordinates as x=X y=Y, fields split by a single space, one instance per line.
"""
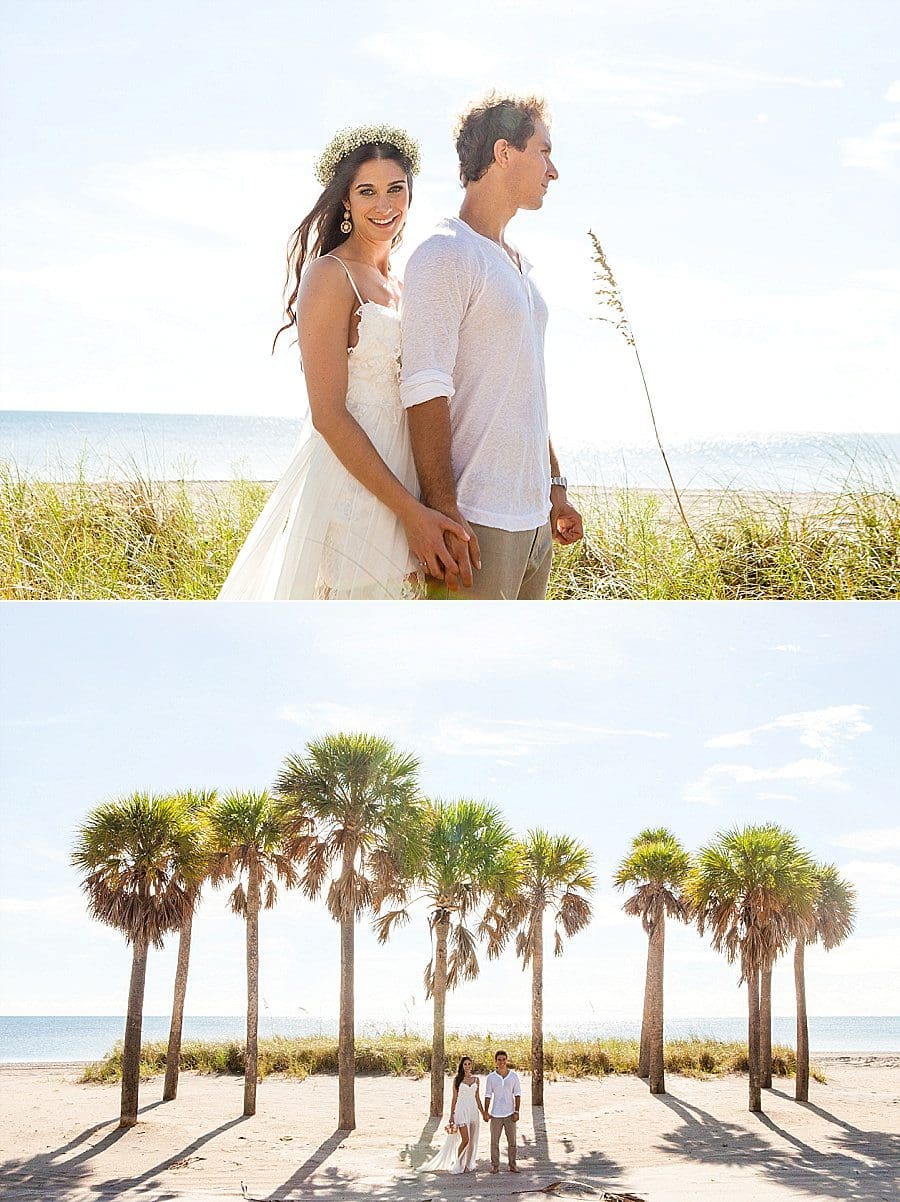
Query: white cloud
x=326 y=717
x=877 y=151
x=650 y=82
x=893 y=93
x=883 y=838
x=67 y=905
x=881 y=877
x=660 y=120
x=788 y=648
x=462 y=735
x=820 y=730
x=717 y=779
x=430 y=52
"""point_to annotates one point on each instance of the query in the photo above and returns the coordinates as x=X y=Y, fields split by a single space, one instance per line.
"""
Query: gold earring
x=346 y=224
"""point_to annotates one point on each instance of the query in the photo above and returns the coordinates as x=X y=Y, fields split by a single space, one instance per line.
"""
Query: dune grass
x=753 y=546
x=132 y=540
x=141 y=539
x=410 y=1055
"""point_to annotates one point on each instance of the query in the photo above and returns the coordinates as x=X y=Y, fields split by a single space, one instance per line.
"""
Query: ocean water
x=64 y=446
x=84 y=1037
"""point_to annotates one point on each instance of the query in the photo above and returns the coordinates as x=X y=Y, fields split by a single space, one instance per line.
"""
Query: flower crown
x=345 y=141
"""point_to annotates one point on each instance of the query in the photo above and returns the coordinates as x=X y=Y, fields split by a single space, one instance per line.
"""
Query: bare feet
x=513 y=1169
x=494 y=1169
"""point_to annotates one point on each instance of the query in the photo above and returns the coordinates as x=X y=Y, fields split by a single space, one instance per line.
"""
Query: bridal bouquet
x=451 y=1128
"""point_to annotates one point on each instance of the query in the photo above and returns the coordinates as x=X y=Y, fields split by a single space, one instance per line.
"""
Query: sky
x=739 y=163
x=592 y=720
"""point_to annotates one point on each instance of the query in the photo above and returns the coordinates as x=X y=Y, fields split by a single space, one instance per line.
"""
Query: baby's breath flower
x=345 y=141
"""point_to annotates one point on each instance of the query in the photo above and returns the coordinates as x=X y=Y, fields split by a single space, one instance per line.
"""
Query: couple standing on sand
x=428 y=468
x=502 y=1099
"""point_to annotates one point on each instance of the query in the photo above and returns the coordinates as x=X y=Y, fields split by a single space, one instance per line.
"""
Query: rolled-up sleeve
x=432 y=309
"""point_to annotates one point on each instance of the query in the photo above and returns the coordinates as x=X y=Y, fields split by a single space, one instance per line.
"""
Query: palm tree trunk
x=347 y=1018
x=753 y=1040
x=537 y=1013
x=173 y=1055
x=131 y=1052
x=765 y=1026
x=251 y=1058
x=655 y=964
x=801 y=1090
x=644 y=1053
x=439 y=992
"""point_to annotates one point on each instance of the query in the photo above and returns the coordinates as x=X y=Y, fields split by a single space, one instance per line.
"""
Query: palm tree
x=248 y=846
x=350 y=804
x=657 y=868
x=464 y=858
x=747 y=887
x=829 y=919
x=556 y=874
x=197 y=802
x=142 y=857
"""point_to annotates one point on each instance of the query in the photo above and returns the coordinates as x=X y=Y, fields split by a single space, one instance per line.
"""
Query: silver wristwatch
x=559 y=482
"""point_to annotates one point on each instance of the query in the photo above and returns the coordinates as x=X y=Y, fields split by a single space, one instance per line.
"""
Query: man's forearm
x=554 y=462
x=429 y=432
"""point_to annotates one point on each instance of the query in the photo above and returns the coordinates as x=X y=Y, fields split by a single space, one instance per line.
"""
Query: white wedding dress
x=322 y=535
x=448 y=1159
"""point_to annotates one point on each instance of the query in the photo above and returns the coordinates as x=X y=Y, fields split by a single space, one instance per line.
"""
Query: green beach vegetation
x=404 y=1054
x=143 y=540
x=347 y=820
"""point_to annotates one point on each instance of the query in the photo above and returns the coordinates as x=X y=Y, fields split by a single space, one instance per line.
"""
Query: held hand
x=565 y=520
x=466 y=555
x=427 y=531
x=487 y=1116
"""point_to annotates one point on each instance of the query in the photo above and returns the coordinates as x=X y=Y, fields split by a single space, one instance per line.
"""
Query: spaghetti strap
x=349 y=276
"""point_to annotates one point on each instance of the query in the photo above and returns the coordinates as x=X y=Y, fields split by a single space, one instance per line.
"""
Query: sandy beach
x=595 y=1139
x=700 y=504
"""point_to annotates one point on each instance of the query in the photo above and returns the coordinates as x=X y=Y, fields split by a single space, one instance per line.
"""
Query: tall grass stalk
x=611 y=299
x=409 y=1055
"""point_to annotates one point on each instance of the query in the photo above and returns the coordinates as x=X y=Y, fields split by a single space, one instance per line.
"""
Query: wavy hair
x=320 y=230
x=489 y=119
x=460 y=1072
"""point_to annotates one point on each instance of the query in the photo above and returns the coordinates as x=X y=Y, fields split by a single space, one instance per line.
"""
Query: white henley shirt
x=504 y=1091
x=472 y=330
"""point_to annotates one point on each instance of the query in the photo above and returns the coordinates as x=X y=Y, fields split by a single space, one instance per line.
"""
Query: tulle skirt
x=322 y=535
x=448 y=1160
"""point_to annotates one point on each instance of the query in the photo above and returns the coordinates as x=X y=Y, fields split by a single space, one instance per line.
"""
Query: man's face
x=501 y=1064
x=532 y=169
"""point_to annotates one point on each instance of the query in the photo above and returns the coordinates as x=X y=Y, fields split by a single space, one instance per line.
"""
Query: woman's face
x=467 y=1066
x=378 y=200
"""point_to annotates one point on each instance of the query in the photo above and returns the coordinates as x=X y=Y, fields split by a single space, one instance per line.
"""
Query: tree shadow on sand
x=864 y=1170
x=46 y=1175
x=314 y=1161
x=540 y=1165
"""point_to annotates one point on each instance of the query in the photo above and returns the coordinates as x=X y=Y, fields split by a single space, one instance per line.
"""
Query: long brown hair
x=320 y=230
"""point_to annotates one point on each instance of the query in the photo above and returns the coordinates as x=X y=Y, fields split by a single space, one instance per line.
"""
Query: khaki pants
x=515 y=566
x=508 y=1125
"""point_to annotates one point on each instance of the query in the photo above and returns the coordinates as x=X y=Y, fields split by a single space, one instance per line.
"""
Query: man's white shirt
x=504 y=1091
x=473 y=330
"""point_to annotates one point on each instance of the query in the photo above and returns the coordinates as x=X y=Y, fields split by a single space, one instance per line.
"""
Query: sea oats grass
x=133 y=540
x=140 y=539
x=410 y=1055
x=752 y=546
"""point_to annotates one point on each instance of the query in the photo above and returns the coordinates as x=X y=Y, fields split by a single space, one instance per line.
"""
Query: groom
x=502 y=1099
x=472 y=377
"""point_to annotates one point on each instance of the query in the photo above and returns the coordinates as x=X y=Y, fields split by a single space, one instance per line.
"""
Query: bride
x=460 y=1149
x=345 y=521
